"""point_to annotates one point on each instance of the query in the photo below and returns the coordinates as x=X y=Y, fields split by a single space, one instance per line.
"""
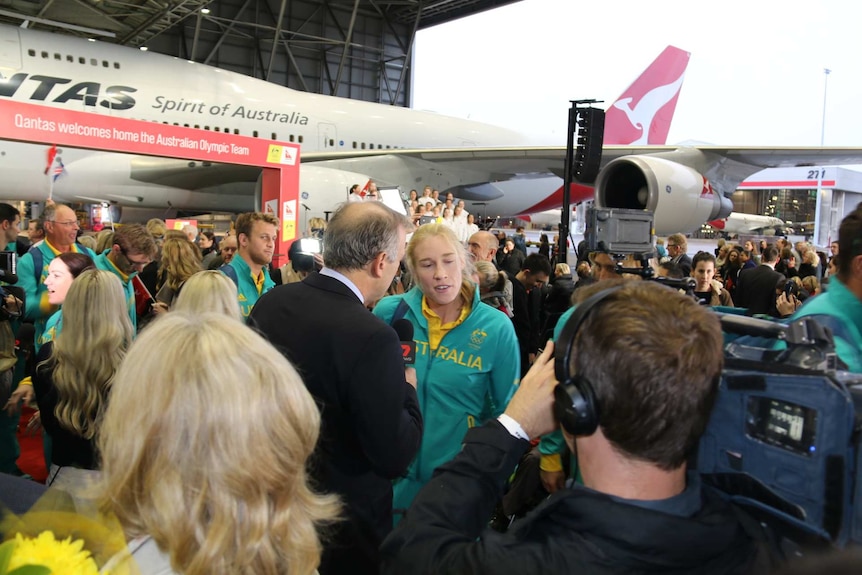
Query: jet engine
x=322 y=189
x=681 y=198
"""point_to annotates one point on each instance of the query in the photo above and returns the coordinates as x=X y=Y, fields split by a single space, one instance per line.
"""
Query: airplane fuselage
x=742 y=223
x=59 y=71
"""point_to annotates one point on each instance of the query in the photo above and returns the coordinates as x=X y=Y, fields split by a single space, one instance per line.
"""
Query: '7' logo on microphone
x=408 y=351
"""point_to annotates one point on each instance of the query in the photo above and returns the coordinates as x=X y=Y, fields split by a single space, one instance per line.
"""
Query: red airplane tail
x=643 y=113
x=640 y=116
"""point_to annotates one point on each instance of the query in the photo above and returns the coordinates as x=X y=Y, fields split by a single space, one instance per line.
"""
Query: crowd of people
x=268 y=420
x=428 y=207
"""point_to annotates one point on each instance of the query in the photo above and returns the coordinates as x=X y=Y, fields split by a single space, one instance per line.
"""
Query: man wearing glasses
x=61 y=233
x=134 y=248
x=676 y=249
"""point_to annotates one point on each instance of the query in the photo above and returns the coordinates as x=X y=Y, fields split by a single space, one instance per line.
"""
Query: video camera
x=783 y=438
x=619 y=231
x=623 y=233
x=302 y=252
x=8 y=267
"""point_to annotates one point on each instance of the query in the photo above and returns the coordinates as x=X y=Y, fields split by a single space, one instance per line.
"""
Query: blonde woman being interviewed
x=210 y=478
x=467 y=357
x=74 y=374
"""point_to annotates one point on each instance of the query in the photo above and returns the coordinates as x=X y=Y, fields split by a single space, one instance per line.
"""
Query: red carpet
x=32 y=459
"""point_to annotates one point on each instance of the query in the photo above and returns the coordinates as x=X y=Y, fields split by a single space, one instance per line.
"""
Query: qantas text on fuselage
x=62 y=90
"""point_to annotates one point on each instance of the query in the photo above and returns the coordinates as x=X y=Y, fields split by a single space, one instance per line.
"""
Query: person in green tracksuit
x=61 y=231
x=467 y=359
x=133 y=250
x=842 y=300
x=552 y=446
x=256 y=233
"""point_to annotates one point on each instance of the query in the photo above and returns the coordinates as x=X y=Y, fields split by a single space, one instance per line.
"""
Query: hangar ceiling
x=359 y=49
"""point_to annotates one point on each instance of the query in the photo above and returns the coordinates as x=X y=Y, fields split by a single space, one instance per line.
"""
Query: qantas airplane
x=345 y=142
x=739 y=223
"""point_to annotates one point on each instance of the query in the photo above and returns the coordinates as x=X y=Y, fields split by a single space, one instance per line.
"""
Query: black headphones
x=575 y=404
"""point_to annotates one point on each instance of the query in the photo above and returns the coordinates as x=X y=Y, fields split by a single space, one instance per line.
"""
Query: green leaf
x=31 y=570
x=6 y=555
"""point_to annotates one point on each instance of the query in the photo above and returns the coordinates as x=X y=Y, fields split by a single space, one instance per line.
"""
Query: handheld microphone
x=404 y=329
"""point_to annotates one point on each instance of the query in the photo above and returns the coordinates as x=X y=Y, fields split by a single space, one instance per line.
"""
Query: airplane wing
x=725 y=167
x=477 y=165
x=684 y=186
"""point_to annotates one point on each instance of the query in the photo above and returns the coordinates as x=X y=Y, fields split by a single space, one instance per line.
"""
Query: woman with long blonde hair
x=74 y=373
x=181 y=259
x=210 y=478
x=467 y=358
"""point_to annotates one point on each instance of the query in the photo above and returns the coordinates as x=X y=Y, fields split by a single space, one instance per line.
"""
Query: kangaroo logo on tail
x=643 y=113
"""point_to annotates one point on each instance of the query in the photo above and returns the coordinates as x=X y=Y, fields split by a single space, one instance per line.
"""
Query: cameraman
x=638 y=510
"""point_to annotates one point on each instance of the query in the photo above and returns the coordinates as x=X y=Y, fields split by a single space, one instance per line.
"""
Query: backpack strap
x=228 y=270
x=38 y=262
x=400 y=311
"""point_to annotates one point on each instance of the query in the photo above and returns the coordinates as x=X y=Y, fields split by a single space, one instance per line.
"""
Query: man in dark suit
x=533 y=275
x=351 y=363
x=755 y=287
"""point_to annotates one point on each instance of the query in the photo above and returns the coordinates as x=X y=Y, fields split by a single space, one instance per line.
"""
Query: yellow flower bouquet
x=57 y=538
x=44 y=554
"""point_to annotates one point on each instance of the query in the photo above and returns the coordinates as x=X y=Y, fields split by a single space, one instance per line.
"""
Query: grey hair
x=358 y=232
x=49 y=213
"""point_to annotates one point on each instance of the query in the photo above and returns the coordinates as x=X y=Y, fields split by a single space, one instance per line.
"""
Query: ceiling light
x=144 y=48
x=205 y=10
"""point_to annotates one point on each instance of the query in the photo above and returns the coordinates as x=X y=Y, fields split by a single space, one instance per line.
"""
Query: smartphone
x=790 y=288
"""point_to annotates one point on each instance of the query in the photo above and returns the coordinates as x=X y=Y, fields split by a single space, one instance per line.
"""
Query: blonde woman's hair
x=206 y=291
x=811 y=284
x=214 y=468
x=317 y=224
x=104 y=240
x=424 y=232
x=88 y=350
x=87 y=242
x=490 y=279
x=157 y=228
x=181 y=259
x=562 y=269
